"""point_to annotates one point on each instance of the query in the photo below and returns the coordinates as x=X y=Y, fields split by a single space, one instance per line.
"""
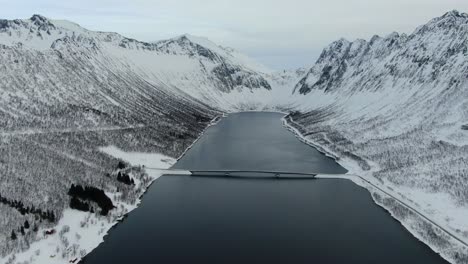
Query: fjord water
x=255 y=141
x=186 y=219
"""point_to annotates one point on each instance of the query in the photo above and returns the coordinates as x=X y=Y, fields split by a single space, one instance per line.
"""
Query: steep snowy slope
x=392 y=109
x=218 y=76
x=187 y=64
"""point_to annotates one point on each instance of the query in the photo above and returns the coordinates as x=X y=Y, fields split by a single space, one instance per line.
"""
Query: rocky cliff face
x=432 y=55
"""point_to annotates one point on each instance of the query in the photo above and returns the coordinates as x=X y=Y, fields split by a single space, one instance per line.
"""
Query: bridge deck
x=238 y=172
x=263 y=174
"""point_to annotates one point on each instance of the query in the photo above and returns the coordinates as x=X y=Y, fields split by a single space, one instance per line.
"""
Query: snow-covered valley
x=392 y=110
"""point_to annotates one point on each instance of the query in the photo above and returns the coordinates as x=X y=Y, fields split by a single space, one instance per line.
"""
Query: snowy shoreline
x=412 y=221
x=212 y=123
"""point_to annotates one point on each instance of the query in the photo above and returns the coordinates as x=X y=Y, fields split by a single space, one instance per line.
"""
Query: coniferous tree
x=13 y=235
x=121 y=165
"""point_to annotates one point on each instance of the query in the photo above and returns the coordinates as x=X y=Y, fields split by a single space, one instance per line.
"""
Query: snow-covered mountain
x=432 y=55
x=187 y=64
x=392 y=109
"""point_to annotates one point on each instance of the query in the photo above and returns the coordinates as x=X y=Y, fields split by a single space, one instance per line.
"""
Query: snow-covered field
x=154 y=160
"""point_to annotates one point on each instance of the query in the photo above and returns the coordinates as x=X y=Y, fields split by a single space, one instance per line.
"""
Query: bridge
x=248 y=174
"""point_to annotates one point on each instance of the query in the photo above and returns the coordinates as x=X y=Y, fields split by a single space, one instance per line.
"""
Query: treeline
x=18 y=205
x=81 y=194
x=125 y=178
x=122 y=176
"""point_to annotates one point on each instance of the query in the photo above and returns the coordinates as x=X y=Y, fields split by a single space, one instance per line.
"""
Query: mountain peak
x=41 y=22
x=451 y=20
x=453 y=16
x=201 y=41
x=455 y=13
x=37 y=17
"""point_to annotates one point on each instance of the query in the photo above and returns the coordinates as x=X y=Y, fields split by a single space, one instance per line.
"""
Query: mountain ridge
x=416 y=49
x=393 y=109
x=184 y=63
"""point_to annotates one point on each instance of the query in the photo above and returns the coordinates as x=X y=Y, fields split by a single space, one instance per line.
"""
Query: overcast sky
x=278 y=33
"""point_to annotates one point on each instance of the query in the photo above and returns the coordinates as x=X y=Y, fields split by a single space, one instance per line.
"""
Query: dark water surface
x=185 y=219
x=255 y=141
